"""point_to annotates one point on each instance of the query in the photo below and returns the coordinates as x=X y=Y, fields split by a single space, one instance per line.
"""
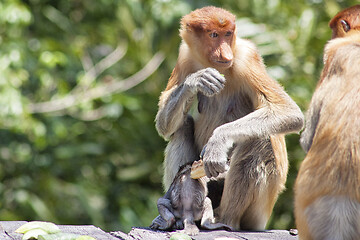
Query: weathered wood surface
x=145 y=233
x=7 y=231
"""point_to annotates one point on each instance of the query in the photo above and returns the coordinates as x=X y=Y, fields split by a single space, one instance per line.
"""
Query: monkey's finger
x=216 y=80
x=215 y=74
x=209 y=89
x=210 y=170
x=207 y=171
x=154 y=226
x=220 y=167
x=213 y=85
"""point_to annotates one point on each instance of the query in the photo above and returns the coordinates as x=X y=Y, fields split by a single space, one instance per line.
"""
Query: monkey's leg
x=236 y=198
x=301 y=220
x=334 y=217
x=259 y=211
x=166 y=219
x=179 y=151
x=247 y=201
x=256 y=176
x=208 y=220
x=190 y=227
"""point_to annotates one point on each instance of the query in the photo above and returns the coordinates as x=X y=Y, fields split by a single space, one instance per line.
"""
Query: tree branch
x=93 y=72
x=99 y=91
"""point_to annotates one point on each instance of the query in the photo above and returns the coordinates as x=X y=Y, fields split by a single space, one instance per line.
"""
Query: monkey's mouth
x=224 y=63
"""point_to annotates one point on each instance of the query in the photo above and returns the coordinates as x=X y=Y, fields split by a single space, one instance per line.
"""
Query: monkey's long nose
x=226 y=53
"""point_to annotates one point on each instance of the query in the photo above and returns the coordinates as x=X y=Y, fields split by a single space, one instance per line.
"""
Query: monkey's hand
x=214 y=156
x=208 y=81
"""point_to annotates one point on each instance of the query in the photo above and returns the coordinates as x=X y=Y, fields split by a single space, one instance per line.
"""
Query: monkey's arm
x=269 y=119
x=175 y=103
x=313 y=116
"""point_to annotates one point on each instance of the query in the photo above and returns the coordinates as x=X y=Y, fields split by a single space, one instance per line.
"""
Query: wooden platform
x=145 y=233
x=7 y=232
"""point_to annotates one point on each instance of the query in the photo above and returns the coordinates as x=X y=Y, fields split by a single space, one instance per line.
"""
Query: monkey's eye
x=345 y=25
x=228 y=34
x=213 y=35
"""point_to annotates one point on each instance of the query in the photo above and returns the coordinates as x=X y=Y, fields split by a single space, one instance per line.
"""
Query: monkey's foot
x=191 y=230
x=159 y=223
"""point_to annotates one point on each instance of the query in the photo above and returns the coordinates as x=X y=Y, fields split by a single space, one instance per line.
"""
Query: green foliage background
x=74 y=155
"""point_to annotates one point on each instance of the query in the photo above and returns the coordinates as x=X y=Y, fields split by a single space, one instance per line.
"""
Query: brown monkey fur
x=185 y=203
x=242 y=115
x=327 y=189
x=344 y=21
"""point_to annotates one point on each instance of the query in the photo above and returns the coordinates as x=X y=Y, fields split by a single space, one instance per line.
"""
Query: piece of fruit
x=197 y=170
x=180 y=236
x=48 y=227
x=33 y=233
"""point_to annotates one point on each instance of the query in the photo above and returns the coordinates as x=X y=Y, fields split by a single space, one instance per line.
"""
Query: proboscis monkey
x=327 y=189
x=184 y=203
x=242 y=116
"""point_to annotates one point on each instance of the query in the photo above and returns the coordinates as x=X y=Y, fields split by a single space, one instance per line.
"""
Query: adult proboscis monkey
x=327 y=189
x=242 y=118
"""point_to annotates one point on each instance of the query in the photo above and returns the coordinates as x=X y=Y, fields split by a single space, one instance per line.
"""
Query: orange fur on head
x=207 y=18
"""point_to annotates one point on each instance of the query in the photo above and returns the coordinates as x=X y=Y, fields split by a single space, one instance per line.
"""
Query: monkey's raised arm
x=176 y=100
x=174 y=105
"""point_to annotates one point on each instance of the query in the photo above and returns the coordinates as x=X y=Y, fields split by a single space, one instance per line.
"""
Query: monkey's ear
x=345 y=25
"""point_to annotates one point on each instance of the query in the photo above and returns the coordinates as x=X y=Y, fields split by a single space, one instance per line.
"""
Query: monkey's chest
x=228 y=108
x=218 y=110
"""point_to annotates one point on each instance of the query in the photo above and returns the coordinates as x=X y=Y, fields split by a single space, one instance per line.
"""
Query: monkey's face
x=210 y=34
x=218 y=47
x=345 y=21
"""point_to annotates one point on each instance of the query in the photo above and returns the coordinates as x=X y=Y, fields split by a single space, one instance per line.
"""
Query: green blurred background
x=79 y=85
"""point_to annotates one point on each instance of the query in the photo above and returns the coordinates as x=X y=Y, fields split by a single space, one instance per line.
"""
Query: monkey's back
x=334 y=156
x=327 y=189
x=187 y=194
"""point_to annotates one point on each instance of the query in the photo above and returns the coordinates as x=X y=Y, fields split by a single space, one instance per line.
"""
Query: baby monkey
x=184 y=203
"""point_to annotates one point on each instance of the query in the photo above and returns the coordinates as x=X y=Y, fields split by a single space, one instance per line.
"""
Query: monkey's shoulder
x=343 y=49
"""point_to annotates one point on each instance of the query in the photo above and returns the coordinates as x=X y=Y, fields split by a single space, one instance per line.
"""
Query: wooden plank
x=7 y=231
x=146 y=233
x=89 y=230
x=3 y=234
